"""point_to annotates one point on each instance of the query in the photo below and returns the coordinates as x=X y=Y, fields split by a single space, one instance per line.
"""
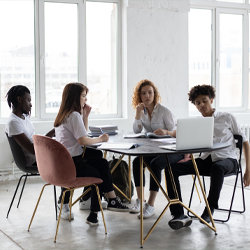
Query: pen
x=145 y=111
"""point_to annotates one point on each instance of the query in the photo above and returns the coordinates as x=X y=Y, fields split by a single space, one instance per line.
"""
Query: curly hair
x=136 y=98
x=197 y=90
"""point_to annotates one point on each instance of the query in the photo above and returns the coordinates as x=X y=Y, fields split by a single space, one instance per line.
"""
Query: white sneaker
x=136 y=207
x=65 y=211
x=85 y=205
x=148 y=211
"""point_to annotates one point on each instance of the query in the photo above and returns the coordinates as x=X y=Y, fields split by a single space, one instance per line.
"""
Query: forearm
x=171 y=133
x=86 y=122
x=88 y=141
x=246 y=151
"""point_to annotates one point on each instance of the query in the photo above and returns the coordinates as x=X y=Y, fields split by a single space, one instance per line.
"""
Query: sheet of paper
x=116 y=145
x=166 y=140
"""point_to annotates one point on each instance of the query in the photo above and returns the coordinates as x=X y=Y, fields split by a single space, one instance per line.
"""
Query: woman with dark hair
x=70 y=127
x=152 y=117
x=19 y=125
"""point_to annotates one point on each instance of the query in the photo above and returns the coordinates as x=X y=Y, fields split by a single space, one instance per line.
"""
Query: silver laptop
x=193 y=133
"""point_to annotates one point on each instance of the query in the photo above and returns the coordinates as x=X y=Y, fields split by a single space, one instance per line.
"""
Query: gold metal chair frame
x=170 y=201
x=70 y=205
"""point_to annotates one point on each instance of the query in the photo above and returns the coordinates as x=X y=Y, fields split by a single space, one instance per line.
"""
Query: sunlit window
x=17 y=57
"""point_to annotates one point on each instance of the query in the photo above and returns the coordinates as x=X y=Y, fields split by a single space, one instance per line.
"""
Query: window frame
x=39 y=44
x=229 y=8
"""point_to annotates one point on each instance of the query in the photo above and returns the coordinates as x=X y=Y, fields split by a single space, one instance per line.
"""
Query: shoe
x=148 y=211
x=92 y=220
x=136 y=207
x=115 y=204
x=65 y=211
x=179 y=221
x=205 y=215
x=85 y=205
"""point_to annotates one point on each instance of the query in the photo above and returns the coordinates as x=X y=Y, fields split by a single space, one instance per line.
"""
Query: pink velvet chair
x=56 y=167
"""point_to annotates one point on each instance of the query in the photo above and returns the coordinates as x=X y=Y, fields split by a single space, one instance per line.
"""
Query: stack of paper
x=103 y=129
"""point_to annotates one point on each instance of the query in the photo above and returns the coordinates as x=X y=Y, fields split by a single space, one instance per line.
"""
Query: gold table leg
x=170 y=201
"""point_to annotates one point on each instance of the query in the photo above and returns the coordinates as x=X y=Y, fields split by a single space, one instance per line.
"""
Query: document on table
x=119 y=145
x=166 y=140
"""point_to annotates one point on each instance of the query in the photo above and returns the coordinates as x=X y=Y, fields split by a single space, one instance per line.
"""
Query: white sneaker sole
x=92 y=224
x=118 y=209
x=145 y=216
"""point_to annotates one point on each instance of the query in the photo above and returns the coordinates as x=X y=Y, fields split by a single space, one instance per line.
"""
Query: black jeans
x=98 y=168
x=157 y=164
x=216 y=170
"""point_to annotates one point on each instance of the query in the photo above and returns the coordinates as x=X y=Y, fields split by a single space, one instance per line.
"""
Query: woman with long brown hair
x=152 y=117
x=70 y=128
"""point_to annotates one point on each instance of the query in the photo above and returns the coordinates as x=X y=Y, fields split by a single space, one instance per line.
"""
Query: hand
x=86 y=109
x=246 y=179
x=160 y=131
x=140 y=107
x=104 y=137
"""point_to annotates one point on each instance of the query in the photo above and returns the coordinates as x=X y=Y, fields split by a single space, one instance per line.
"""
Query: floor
x=123 y=228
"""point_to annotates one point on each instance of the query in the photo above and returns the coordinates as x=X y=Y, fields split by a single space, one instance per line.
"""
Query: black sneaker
x=205 y=216
x=92 y=220
x=179 y=221
x=115 y=204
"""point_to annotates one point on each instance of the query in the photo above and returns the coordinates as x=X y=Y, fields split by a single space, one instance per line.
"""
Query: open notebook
x=193 y=133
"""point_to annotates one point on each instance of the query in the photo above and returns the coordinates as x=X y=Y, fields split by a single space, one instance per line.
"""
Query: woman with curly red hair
x=152 y=117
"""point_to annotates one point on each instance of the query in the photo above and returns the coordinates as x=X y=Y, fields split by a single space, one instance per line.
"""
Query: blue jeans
x=216 y=170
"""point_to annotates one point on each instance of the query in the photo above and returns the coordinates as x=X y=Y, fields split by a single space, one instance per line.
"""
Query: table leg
x=170 y=201
x=141 y=201
x=202 y=190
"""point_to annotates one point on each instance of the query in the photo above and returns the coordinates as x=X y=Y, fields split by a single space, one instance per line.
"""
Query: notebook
x=193 y=133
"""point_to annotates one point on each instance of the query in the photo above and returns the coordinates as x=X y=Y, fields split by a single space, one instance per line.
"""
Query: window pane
x=232 y=1
x=17 y=62
x=230 y=60
x=61 y=47
x=101 y=24
x=200 y=48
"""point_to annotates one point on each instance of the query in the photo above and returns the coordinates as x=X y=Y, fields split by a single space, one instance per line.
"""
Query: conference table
x=150 y=147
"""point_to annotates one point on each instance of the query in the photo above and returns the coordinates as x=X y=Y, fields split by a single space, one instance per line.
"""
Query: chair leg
x=232 y=200
x=100 y=204
x=70 y=203
x=59 y=217
x=13 y=198
x=37 y=205
x=22 y=190
x=55 y=200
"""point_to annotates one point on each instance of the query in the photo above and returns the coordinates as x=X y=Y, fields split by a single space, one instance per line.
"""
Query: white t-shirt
x=225 y=127
x=70 y=131
x=16 y=126
x=161 y=117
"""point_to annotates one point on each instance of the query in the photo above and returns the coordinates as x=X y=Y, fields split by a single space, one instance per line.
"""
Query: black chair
x=21 y=163
x=238 y=174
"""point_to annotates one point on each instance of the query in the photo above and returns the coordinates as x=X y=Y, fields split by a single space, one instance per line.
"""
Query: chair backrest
x=17 y=153
x=54 y=162
x=239 y=145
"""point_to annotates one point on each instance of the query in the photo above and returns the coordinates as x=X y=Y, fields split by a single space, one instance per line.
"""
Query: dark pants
x=216 y=170
x=157 y=164
x=98 y=168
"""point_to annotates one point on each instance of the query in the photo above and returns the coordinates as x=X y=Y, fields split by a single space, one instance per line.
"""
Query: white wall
x=155 y=46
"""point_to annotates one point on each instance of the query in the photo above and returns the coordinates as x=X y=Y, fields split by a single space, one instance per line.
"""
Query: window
x=45 y=51
x=17 y=57
x=222 y=44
